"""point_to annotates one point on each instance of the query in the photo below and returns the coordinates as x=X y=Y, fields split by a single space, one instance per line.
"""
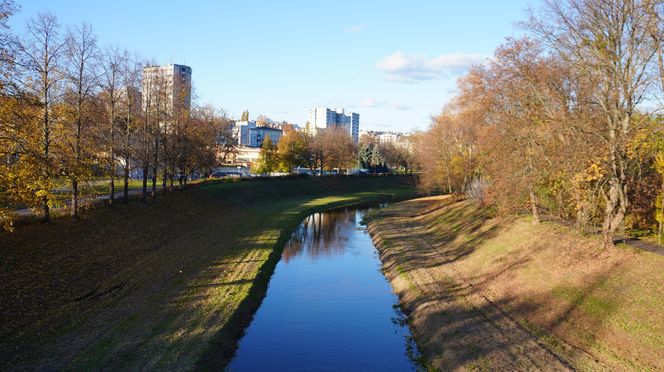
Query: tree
x=131 y=118
x=82 y=80
x=39 y=57
x=7 y=49
x=364 y=155
x=245 y=116
x=292 y=150
x=269 y=159
x=340 y=149
x=113 y=64
x=609 y=44
x=263 y=121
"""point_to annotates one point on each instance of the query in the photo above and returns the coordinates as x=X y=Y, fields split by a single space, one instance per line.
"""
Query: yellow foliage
x=593 y=173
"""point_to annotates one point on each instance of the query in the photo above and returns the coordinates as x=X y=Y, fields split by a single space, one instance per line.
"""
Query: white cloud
x=418 y=67
x=372 y=103
x=355 y=28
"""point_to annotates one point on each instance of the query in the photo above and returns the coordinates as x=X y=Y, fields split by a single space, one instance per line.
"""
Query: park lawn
x=166 y=284
x=594 y=309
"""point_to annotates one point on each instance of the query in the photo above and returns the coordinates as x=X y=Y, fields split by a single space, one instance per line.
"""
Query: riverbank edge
x=221 y=350
x=391 y=270
x=392 y=267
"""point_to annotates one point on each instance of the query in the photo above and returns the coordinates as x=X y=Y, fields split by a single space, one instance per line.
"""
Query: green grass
x=166 y=284
x=597 y=308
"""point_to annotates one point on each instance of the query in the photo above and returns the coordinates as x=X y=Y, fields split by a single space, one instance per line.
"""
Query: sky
x=393 y=62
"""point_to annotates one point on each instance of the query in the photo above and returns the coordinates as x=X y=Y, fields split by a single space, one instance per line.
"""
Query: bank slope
x=495 y=293
x=168 y=284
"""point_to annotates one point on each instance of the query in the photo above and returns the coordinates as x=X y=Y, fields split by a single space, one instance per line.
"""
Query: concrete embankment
x=492 y=293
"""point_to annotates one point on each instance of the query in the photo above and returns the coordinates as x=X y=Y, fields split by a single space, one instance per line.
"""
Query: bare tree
x=609 y=43
x=113 y=63
x=82 y=54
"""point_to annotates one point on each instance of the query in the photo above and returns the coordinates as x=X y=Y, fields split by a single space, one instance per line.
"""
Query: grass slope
x=167 y=284
x=505 y=294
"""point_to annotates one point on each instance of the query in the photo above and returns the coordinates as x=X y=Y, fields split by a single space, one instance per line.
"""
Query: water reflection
x=328 y=306
x=320 y=235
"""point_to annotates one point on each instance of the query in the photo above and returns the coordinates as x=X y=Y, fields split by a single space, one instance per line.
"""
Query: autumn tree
x=341 y=151
x=40 y=61
x=292 y=150
x=609 y=44
x=82 y=81
x=269 y=159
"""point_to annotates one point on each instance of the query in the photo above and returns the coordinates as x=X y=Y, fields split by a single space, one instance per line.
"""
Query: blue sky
x=393 y=62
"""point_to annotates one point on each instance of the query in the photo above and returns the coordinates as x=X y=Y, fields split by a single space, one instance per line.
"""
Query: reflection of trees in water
x=321 y=234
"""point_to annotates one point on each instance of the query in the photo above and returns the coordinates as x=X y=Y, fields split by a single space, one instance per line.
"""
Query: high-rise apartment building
x=322 y=117
x=171 y=82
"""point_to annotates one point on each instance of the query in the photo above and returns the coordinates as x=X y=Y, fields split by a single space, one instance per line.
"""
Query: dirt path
x=456 y=326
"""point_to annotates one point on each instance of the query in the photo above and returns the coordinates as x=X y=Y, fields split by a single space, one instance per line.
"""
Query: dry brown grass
x=507 y=294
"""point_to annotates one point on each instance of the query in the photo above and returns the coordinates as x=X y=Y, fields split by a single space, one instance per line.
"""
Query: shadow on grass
x=497 y=333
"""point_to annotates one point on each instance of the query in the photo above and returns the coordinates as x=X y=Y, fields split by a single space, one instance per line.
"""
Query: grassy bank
x=492 y=293
x=166 y=284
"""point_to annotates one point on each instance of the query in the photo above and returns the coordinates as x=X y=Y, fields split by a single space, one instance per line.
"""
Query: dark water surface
x=328 y=306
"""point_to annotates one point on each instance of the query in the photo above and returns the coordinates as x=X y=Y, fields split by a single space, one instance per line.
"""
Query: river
x=328 y=306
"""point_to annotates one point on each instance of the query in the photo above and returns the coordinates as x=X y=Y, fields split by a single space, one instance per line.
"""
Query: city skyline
x=274 y=59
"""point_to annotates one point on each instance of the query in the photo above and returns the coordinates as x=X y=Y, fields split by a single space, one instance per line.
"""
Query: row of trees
x=72 y=112
x=564 y=121
x=327 y=150
x=331 y=149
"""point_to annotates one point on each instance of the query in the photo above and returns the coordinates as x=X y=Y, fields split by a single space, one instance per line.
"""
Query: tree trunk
x=111 y=196
x=613 y=213
x=144 y=194
x=77 y=149
x=533 y=206
x=74 y=201
x=46 y=210
x=47 y=164
x=125 y=191
x=616 y=201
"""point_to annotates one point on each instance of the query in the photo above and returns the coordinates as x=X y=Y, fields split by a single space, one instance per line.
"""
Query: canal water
x=328 y=306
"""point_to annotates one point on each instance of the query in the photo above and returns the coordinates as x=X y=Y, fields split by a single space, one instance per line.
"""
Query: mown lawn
x=166 y=284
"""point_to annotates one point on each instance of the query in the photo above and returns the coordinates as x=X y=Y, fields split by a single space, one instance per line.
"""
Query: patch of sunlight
x=326 y=200
x=599 y=308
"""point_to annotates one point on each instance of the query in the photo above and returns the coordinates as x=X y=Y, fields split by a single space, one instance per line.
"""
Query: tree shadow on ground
x=470 y=328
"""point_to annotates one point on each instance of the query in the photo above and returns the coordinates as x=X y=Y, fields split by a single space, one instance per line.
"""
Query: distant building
x=388 y=137
x=322 y=118
x=241 y=131
x=248 y=155
x=174 y=80
x=258 y=134
x=384 y=137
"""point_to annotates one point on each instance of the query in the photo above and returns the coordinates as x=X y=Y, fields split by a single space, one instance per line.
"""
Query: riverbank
x=489 y=293
x=166 y=284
